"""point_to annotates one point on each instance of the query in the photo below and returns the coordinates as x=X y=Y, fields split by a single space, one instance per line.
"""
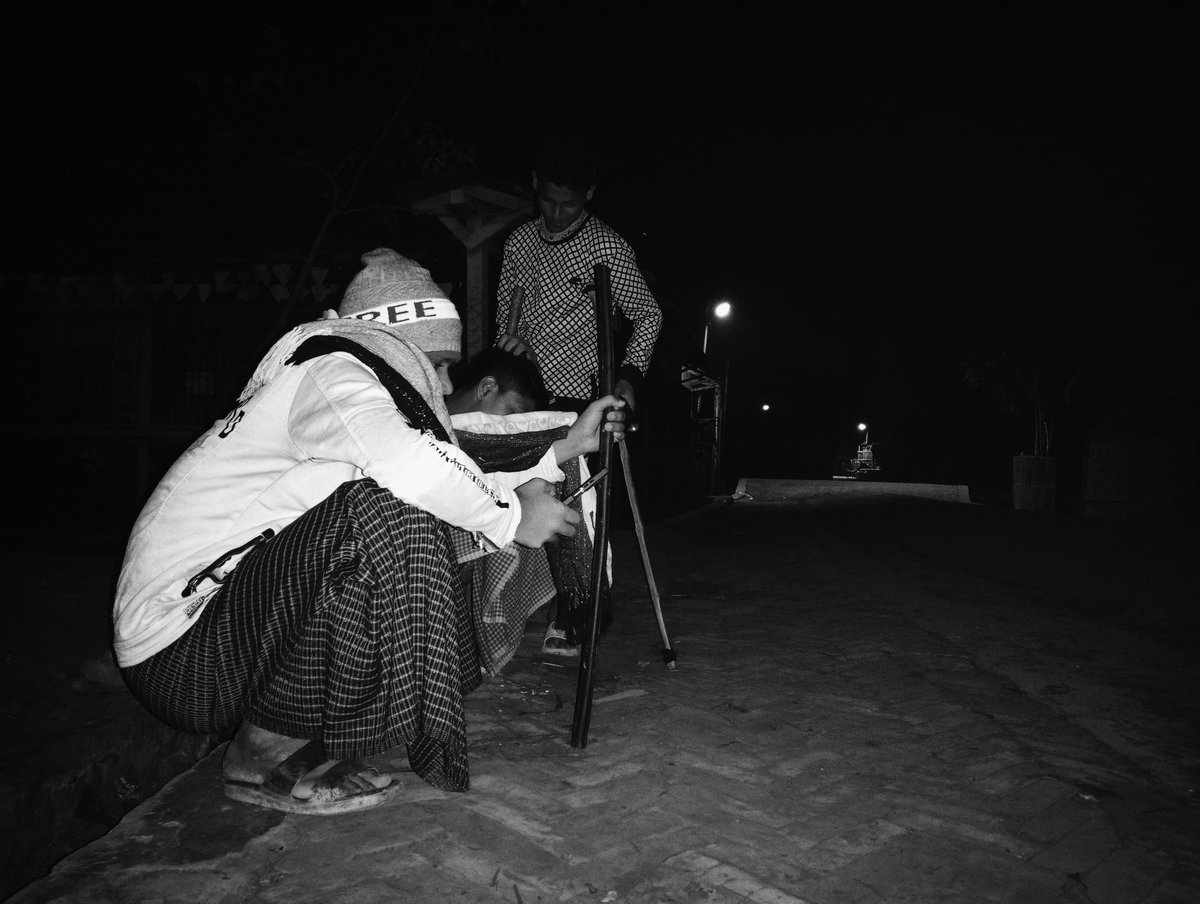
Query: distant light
x=766 y=407
x=862 y=426
x=722 y=309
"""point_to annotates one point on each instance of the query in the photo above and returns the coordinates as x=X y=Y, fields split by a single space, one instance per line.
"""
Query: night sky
x=880 y=195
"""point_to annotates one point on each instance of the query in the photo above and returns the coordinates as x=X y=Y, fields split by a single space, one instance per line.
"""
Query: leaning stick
x=515 y=301
x=587 y=653
x=668 y=654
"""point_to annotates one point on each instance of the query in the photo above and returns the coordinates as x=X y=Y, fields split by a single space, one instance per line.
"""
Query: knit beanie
x=394 y=291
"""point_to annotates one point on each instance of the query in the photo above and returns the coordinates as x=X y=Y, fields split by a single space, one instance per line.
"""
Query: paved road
x=876 y=700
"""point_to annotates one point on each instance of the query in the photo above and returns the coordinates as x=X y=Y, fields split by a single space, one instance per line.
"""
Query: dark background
x=890 y=200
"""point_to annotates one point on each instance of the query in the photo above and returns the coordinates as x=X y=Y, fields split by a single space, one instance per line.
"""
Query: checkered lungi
x=349 y=626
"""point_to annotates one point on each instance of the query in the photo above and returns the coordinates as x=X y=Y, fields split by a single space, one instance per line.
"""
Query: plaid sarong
x=503 y=588
x=349 y=626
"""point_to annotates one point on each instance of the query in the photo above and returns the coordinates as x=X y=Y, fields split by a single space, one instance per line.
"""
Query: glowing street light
x=866 y=433
x=720 y=310
x=766 y=407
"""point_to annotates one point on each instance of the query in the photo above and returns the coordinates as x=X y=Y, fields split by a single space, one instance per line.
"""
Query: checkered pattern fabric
x=505 y=588
x=559 y=318
x=349 y=627
x=508 y=586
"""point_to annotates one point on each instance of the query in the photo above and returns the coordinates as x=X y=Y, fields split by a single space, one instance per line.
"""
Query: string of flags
x=252 y=283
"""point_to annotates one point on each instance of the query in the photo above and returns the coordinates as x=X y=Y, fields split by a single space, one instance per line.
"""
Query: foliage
x=1028 y=379
x=251 y=139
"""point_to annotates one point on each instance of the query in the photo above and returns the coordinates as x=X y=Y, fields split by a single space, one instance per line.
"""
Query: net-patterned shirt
x=558 y=318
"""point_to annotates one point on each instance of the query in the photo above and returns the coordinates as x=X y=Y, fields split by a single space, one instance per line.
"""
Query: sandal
x=308 y=782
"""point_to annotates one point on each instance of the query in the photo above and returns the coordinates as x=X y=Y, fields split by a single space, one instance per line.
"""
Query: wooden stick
x=587 y=652
x=668 y=654
x=515 y=302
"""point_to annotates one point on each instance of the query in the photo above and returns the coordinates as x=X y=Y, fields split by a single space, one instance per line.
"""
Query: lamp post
x=720 y=310
x=866 y=433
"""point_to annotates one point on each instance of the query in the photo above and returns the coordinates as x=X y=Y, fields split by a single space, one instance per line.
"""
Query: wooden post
x=478 y=314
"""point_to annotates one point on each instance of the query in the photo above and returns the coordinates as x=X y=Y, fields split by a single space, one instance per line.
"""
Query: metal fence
x=110 y=378
x=1141 y=476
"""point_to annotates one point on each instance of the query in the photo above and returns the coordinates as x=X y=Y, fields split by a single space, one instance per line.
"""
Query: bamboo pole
x=668 y=654
x=516 y=301
x=587 y=652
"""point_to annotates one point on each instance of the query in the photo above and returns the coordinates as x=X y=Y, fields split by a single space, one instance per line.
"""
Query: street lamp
x=866 y=433
x=720 y=310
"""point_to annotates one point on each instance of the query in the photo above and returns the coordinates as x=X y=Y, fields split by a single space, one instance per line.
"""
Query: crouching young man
x=499 y=412
x=292 y=578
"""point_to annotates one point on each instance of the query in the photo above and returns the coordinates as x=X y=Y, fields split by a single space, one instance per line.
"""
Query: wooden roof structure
x=475 y=208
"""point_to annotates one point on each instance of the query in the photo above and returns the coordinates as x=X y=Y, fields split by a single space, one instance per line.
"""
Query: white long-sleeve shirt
x=313 y=427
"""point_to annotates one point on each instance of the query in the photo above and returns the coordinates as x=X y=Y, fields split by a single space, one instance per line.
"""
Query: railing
x=109 y=380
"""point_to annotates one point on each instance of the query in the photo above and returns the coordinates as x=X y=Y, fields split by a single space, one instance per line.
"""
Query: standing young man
x=552 y=258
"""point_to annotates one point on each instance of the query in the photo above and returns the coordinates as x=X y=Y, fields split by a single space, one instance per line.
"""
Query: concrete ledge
x=95 y=753
x=775 y=489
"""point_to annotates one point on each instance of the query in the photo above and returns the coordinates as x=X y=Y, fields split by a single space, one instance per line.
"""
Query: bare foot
x=335 y=780
x=254 y=752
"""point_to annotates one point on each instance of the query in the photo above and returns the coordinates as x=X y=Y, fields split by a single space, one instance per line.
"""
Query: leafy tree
x=1030 y=380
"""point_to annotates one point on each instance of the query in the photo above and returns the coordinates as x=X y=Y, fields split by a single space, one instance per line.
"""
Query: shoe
x=555 y=643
